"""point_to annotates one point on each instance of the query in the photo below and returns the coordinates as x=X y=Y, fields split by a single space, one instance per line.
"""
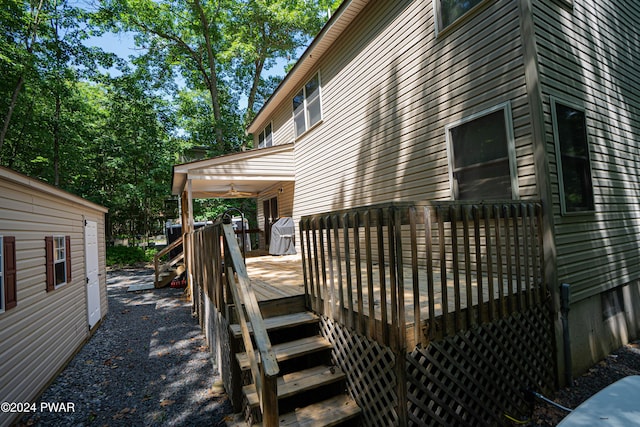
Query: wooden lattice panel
x=221 y=328
x=476 y=376
x=370 y=373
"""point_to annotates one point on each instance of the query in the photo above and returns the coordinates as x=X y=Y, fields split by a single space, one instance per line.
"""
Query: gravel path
x=146 y=365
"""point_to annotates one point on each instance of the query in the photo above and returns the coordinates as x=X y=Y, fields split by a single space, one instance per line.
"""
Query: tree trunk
x=56 y=142
x=259 y=64
x=35 y=13
x=12 y=106
x=213 y=77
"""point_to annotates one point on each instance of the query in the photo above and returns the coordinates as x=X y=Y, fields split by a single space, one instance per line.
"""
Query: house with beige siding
x=476 y=101
x=52 y=283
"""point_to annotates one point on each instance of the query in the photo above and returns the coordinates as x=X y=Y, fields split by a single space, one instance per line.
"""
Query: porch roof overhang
x=238 y=175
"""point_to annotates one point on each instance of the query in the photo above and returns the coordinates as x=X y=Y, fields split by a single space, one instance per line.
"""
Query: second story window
x=307 y=110
x=265 y=138
x=448 y=11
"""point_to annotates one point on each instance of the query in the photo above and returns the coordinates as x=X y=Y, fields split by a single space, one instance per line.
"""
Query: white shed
x=52 y=283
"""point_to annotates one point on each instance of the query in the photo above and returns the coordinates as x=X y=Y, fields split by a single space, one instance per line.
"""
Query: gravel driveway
x=146 y=365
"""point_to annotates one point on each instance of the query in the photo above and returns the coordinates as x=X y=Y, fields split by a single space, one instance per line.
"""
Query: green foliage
x=126 y=255
x=114 y=140
x=210 y=209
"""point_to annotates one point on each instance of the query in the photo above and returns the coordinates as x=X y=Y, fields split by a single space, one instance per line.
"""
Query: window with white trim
x=265 y=138
x=57 y=261
x=482 y=159
x=60 y=260
x=307 y=109
x=449 y=11
x=572 y=156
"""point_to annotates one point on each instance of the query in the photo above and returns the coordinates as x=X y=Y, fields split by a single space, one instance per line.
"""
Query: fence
x=220 y=277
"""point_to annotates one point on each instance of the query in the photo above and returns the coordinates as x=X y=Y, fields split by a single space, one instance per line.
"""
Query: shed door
x=93 y=282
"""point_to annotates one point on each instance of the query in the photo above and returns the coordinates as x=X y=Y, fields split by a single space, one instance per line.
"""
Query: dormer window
x=307 y=110
x=265 y=138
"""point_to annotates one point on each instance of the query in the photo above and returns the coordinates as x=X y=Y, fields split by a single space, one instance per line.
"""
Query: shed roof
x=340 y=20
x=243 y=174
x=36 y=184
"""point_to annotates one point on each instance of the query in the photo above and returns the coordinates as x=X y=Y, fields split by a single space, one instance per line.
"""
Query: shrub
x=125 y=255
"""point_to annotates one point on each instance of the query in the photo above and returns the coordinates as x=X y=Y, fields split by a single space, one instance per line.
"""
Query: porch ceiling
x=238 y=175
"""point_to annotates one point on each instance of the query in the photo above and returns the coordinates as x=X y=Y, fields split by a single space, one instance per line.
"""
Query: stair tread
x=297 y=382
x=330 y=412
x=279 y=322
x=290 y=350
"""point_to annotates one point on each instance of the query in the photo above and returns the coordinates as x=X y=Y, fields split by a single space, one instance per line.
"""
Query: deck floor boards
x=274 y=277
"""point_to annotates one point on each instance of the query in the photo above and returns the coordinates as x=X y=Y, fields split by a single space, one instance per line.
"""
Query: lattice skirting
x=472 y=378
x=370 y=373
x=475 y=377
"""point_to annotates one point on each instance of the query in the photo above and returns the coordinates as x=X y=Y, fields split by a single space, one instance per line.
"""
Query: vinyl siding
x=39 y=336
x=389 y=88
x=590 y=56
x=253 y=166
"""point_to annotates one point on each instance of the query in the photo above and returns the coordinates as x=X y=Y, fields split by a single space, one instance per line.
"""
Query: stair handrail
x=166 y=250
x=264 y=369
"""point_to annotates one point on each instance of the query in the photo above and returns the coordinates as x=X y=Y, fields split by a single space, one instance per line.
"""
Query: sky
x=123 y=45
x=120 y=44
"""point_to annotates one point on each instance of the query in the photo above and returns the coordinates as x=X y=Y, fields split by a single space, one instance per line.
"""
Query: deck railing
x=221 y=270
x=432 y=270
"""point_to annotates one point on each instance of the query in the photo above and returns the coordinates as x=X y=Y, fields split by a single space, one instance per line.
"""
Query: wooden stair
x=165 y=277
x=311 y=392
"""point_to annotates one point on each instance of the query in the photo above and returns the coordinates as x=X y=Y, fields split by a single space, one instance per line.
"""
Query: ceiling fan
x=235 y=193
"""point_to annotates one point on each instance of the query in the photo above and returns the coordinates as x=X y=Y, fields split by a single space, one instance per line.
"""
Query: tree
x=218 y=45
x=261 y=31
x=133 y=154
x=20 y=28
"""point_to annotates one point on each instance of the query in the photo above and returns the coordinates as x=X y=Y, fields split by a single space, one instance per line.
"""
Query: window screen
x=480 y=158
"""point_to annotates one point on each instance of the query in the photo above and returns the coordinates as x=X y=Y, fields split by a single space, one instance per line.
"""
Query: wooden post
x=369 y=256
x=360 y=325
x=430 y=281
x=270 y=417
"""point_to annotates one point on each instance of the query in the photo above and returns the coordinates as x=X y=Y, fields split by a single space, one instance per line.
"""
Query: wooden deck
x=275 y=277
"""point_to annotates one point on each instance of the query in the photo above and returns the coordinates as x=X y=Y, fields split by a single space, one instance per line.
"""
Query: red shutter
x=48 y=246
x=67 y=244
x=9 y=256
